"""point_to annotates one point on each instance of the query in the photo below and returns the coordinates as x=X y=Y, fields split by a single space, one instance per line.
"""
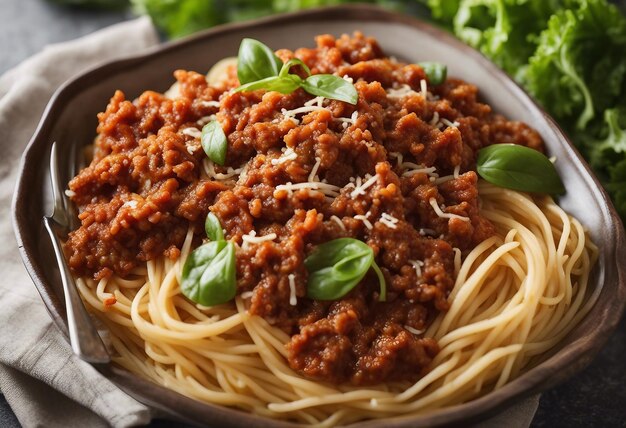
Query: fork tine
x=84 y=338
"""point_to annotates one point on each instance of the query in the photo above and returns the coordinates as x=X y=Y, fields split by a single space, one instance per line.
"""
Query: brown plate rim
x=565 y=363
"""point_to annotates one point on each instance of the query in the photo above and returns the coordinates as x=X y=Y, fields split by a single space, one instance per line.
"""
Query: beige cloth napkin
x=44 y=383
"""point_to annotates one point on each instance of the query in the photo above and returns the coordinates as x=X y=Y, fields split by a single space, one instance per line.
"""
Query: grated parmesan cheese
x=288 y=155
x=313 y=175
x=251 y=238
x=348 y=78
x=246 y=295
x=389 y=220
x=209 y=168
x=455 y=175
x=398 y=157
x=440 y=213
x=131 y=204
x=210 y=103
x=293 y=300
x=206 y=119
x=192 y=132
x=338 y=221
x=435 y=120
x=325 y=188
x=427 y=232
x=417 y=265
x=70 y=193
x=364 y=219
x=410 y=168
x=359 y=189
x=318 y=101
x=424 y=88
x=400 y=92
x=450 y=124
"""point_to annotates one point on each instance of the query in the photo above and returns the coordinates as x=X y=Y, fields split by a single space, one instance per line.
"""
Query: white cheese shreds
x=435 y=120
x=338 y=221
x=349 y=120
x=364 y=219
x=192 y=132
x=413 y=330
x=424 y=88
x=417 y=265
x=440 y=213
x=398 y=157
x=325 y=188
x=293 y=300
x=288 y=155
x=400 y=92
x=454 y=176
x=210 y=104
x=313 y=173
x=131 y=204
x=206 y=119
x=450 y=124
x=317 y=101
x=427 y=232
x=70 y=193
x=359 y=189
x=209 y=168
x=251 y=238
x=457 y=260
x=348 y=78
x=410 y=168
x=389 y=220
x=246 y=294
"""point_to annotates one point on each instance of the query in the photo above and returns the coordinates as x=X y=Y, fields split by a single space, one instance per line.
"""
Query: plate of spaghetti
x=332 y=217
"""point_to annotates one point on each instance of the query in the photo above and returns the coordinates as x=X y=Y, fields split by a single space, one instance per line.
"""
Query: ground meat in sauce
x=147 y=184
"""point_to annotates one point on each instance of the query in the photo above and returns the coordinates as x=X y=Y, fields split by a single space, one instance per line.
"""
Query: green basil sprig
x=259 y=68
x=337 y=266
x=519 y=168
x=209 y=273
x=214 y=142
x=435 y=72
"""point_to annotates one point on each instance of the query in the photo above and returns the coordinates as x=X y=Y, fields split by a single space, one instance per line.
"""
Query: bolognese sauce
x=396 y=171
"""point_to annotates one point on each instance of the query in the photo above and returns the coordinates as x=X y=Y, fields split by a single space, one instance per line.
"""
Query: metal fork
x=84 y=338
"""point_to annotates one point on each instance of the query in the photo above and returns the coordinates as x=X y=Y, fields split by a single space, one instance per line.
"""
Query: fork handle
x=84 y=338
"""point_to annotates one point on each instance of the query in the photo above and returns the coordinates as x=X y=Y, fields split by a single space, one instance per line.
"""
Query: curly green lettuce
x=571 y=57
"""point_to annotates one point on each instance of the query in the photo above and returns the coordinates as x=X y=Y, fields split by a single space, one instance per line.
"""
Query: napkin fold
x=42 y=380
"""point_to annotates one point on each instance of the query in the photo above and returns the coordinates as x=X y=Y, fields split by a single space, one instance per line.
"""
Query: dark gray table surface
x=595 y=397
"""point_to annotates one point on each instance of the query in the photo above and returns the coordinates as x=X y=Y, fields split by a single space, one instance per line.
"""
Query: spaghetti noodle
x=516 y=296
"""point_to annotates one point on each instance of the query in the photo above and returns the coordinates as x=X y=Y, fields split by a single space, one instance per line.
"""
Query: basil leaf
x=284 y=85
x=213 y=228
x=291 y=63
x=435 y=72
x=208 y=276
x=336 y=267
x=214 y=142
x=256 y=61
x=383 y=284
x=331 y=86
x=519 y=168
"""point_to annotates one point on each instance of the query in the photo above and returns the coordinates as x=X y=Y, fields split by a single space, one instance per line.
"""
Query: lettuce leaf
x=579 y=66
x=571 y=57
